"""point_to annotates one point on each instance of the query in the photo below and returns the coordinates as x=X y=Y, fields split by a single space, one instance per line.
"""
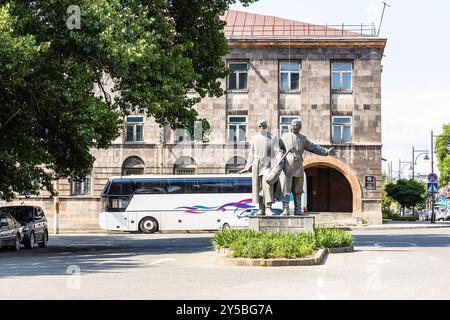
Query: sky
x=416 y=66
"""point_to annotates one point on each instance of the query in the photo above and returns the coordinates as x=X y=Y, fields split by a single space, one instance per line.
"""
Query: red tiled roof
x=244 y=24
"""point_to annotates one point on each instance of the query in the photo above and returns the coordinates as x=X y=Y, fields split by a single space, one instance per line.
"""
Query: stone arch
x=235 y=164
x=133 y=166
x=185 y=166
x=348 y=174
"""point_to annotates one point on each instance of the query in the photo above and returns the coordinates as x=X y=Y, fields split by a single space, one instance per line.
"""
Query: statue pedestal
x=288 y=224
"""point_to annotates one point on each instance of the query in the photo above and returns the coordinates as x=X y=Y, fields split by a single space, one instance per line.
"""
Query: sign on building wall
x=370 y=183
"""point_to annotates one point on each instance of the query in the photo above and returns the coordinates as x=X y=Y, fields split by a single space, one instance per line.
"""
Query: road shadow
x=402 y=241
x=94 y=254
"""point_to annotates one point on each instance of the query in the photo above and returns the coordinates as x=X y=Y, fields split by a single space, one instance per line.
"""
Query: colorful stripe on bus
x=198 y=209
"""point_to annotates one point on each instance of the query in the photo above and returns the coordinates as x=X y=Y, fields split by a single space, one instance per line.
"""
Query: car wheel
x=148 y=225
x=226 y=226
x=44 y=242
x=17 y=243
x=29 y=243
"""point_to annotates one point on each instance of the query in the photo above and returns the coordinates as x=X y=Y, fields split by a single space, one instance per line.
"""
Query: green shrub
x=270 y=246
x=284 y=247
x=396 y=217
x=332 y=238
x=224 y=238
x=252 y=244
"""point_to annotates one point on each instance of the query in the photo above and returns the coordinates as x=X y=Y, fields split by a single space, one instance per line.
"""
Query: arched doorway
x=328 y=190
x=184 y=166
x=332 y=186
x=235 y=164
x=133 y=166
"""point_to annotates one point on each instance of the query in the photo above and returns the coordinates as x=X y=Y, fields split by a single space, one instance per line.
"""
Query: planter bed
x=315 y=259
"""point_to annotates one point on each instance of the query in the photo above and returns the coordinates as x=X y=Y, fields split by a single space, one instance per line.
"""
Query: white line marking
x=161 y=261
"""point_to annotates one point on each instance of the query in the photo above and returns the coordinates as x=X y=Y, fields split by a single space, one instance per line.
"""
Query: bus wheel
x=148 y=225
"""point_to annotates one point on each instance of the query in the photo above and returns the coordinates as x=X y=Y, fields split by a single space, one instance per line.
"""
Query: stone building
x=329 y=77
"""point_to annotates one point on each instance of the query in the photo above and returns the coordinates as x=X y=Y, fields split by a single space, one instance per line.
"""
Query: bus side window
x=153 y=187
x=241 y=185
x=177 y=186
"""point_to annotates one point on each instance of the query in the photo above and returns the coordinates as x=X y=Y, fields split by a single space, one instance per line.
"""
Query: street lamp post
x=433 y=214
x=414 y=163
x=414 y=158
x=400 y=168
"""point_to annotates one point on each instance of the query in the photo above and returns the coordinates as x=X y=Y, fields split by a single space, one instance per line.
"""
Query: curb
x=76 y=232
x=399 y=228
x=246 y=262
x=340 y=250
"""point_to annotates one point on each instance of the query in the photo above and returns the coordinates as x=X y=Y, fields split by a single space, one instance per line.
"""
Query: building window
x=286 y=123
x=237 y=80
x=133 y=166
x=80 y=187
x=134 y=129
x=237 y=129
x=342 y=130
x=290 y=77
x=341 y=77
x=184 y=166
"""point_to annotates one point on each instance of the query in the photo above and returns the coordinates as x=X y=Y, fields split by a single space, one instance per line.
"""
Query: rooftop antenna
x=382 y=16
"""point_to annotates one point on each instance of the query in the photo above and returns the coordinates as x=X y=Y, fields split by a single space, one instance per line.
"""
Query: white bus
x=169 y=203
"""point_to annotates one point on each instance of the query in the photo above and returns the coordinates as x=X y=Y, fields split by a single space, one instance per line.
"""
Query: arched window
x=184 y=166
x=235 y=164
x=133 y=166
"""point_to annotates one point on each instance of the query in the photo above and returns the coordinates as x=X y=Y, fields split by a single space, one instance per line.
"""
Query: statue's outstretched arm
x=319 y=150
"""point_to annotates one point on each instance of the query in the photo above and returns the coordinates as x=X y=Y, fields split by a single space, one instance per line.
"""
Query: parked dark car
x=34 y=223
x=11 y=232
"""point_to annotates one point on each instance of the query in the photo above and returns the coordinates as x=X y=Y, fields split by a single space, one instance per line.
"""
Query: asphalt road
x=410 y=264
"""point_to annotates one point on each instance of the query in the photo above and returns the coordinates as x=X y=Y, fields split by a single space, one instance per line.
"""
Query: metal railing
x=300 y=30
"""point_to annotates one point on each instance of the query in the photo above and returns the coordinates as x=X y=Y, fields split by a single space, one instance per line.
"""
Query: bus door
x=119 y=221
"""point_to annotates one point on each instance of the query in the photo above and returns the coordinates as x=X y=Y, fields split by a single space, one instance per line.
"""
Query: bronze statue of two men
x=288 y=151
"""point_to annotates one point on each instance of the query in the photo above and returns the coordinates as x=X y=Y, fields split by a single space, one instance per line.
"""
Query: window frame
x=185 y=170
x=341 y=90
x=290 y=91
x=333 y=125
x=281 y=123
x=83 y=185
x=237 y=76
x=238 y=125
x=134 y=124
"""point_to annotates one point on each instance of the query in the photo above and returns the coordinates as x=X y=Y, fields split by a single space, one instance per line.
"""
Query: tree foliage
x=408 y=193
x=386 y=201
x=151 y=51
x=443 y=155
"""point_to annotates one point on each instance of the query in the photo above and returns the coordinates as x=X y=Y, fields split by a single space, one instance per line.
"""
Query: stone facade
x=315 y=104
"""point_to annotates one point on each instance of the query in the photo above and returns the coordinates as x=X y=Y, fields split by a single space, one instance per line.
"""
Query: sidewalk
x=393 y=225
